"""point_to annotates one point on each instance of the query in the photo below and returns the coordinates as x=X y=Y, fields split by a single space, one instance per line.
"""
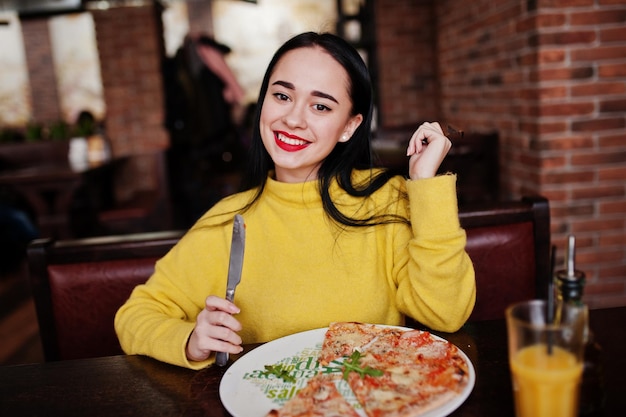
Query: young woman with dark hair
x=329 y=237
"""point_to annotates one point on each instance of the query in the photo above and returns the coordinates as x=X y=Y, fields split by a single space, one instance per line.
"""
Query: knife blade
x=235 y=266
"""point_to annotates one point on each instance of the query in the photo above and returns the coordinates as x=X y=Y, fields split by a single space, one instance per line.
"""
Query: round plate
x=247 y=391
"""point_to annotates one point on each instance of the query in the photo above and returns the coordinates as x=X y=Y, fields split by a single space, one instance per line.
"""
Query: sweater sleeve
x=437 y=287
x=160 y=315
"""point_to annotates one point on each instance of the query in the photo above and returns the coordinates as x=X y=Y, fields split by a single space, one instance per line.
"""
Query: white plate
x=245 y=392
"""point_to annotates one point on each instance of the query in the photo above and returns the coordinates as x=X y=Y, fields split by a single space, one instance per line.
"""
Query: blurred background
x=134 y=115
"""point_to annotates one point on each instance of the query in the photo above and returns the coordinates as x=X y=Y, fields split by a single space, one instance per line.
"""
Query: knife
x=235 y=266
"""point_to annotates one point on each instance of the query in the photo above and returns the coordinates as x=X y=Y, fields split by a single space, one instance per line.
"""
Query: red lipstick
x=289 y=147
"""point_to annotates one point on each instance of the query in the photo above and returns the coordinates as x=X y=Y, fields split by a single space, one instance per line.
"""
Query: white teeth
x=291 y=141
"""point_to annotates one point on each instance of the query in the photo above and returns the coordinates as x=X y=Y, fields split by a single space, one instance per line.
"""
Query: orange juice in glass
x=546 y=358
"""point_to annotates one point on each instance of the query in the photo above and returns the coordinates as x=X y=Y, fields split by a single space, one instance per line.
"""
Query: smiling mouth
x=291 y=140
x=289 y=143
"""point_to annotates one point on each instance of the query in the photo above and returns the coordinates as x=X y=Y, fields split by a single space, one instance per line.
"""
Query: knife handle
x=221 y=358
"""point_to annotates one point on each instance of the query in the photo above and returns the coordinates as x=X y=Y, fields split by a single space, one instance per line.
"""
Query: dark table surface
x=140 y=386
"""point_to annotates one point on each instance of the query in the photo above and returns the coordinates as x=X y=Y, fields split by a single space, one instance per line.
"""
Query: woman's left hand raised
x=427 y=149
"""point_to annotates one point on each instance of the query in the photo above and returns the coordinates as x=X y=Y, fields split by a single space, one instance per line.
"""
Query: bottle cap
x=570 y=281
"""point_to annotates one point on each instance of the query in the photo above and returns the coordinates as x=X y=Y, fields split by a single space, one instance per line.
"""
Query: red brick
x=612 y=239
x=530 y=161
x=612 y=173
x=548 y=4
x=550 y=20
x=551 y=56
x=598 y=88
x=598 y=192
x=527 y=59
x=577 y=210
x=613 y=34
x=578 y=177
x=566 y=109
x=612 y=106
x=556 y=74
x=44 y=98
x=613 y=140
x=555 y=195
x=536 y=128
x=598 y=124
x=597 y=53
x=543 y=93
x=558 y=225
x=586 y=259
x=614 y=207
x=552 y=163
x=597 y=226
x=562 y=38
x=617 y=70
x=568 y=143
x=614 y=271
x=598 y=158
x=598 y=17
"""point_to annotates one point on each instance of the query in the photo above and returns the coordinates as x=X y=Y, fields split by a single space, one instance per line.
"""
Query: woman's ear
x=351 y=126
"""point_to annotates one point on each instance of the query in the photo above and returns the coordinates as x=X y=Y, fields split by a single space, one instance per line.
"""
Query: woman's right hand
x=427 y=148
x=216 y=330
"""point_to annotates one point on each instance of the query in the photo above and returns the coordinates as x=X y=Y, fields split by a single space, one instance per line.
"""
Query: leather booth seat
x=78 y=286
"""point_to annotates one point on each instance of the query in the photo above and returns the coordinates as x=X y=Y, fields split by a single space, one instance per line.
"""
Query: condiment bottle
x=569 y=284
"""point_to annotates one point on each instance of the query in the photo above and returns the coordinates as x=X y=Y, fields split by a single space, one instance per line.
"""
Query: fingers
x=215 y=303
x=215 y=331
x=425 y=133
x=427 y=148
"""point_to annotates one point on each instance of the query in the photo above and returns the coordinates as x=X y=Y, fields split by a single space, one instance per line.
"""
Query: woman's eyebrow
x=315 y=93
x=324 y=95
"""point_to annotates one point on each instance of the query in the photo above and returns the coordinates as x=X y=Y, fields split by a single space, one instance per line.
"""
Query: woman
x=328 y=237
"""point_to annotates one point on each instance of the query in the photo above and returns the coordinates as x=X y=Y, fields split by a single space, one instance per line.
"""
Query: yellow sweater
x=301 y=271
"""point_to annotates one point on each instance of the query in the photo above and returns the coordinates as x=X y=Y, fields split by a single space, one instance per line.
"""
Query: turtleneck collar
x=298 y=193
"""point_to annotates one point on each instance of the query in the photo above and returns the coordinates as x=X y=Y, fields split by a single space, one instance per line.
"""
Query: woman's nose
x=295 y=117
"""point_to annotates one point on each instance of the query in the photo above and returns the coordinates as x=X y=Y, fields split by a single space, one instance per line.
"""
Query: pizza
x=420 y=373
x=393 y=372
x=343 y=338
x=318 y=398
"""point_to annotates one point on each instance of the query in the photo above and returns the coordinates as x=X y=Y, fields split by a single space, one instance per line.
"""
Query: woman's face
x=305 y=112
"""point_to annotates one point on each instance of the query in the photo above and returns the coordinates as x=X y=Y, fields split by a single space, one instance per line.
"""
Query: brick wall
x=130 y=47
x=44 y=98
x=407 y=64
x=548 y=76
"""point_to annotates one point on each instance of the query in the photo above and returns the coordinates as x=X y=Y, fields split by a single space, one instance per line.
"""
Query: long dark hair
x=356 y=153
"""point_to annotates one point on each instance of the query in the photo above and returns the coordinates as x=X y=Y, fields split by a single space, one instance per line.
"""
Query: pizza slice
x=419 y=373
x=319 y=398
x=343 y=338
x=397 y=393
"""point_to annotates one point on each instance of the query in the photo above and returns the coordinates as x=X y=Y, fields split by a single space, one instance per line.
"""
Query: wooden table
x=140 y=386
x=50 y=189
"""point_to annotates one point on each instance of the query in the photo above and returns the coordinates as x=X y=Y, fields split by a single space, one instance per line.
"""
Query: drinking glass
x=546 y=357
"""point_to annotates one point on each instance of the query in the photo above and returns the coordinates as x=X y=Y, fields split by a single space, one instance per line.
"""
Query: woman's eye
x=321 y=107
x=281 y=96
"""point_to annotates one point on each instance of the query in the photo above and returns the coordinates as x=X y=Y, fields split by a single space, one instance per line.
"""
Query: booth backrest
x=78 y=285
x=509 y=244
